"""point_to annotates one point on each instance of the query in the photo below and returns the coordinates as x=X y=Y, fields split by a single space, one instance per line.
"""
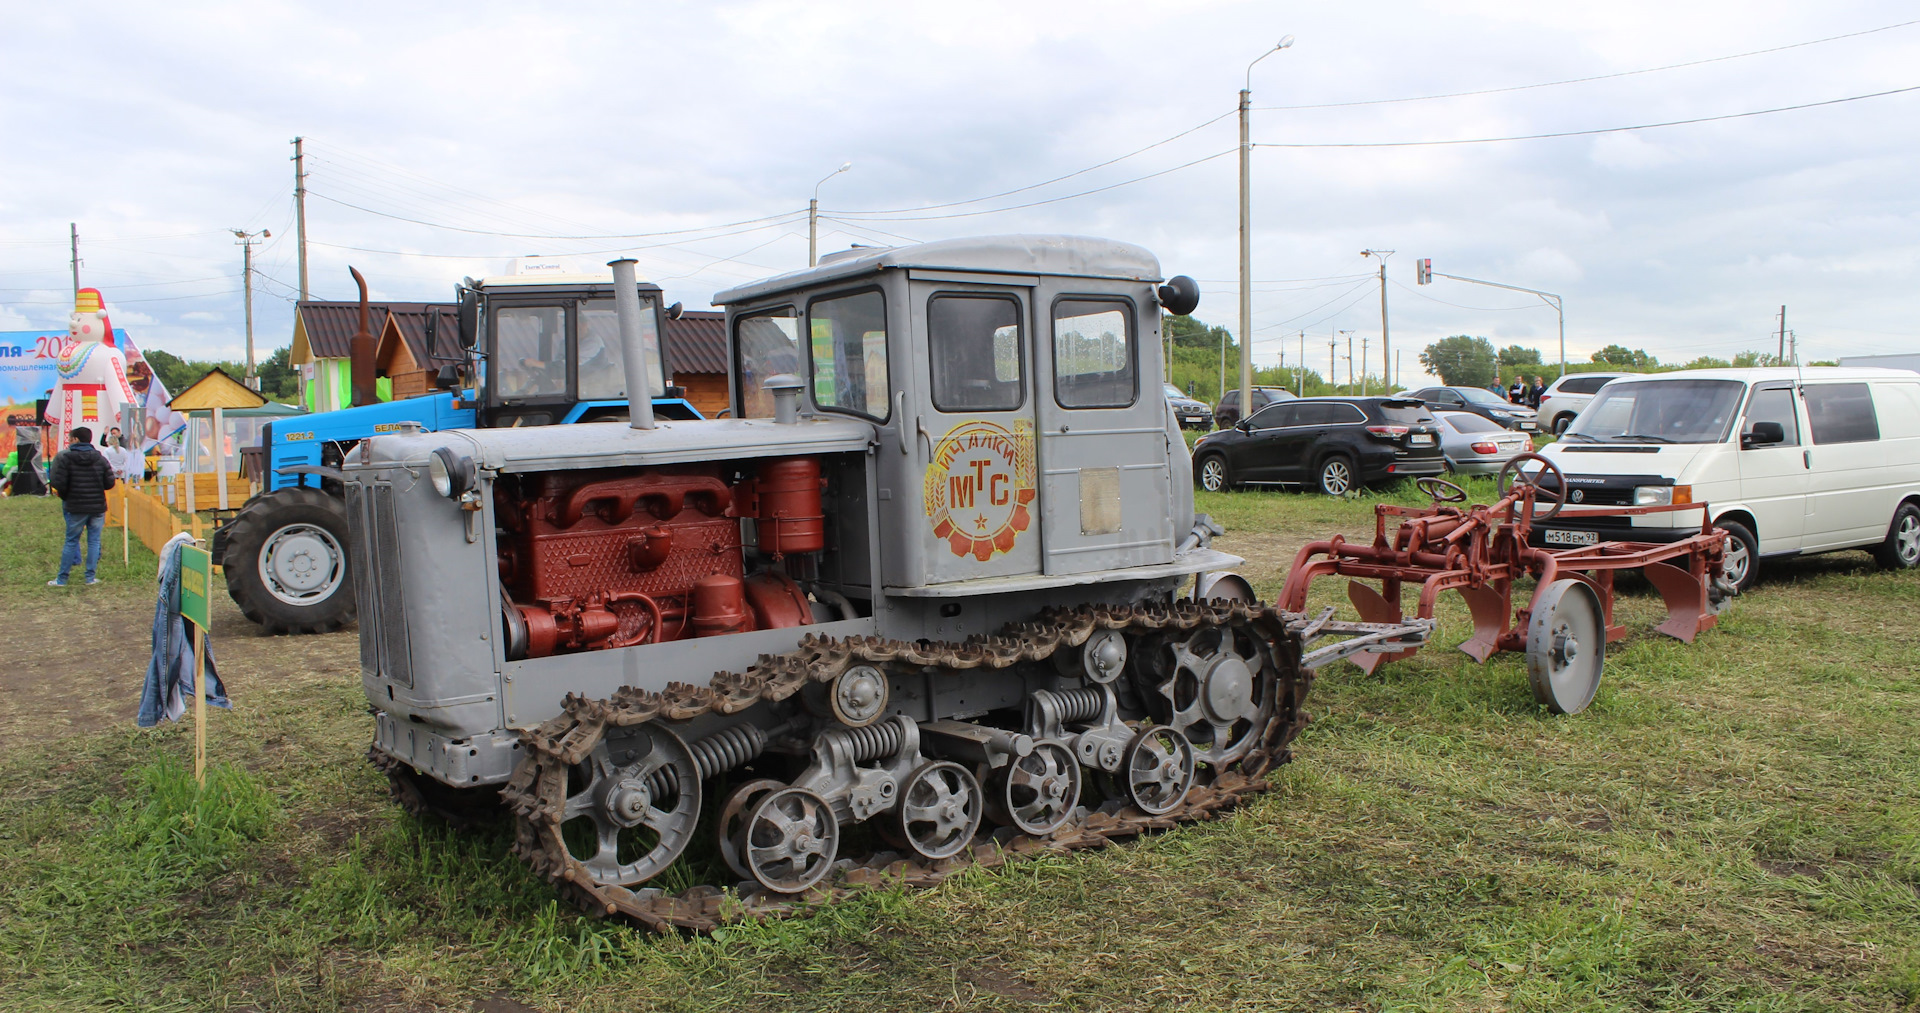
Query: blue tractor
x=540 y=349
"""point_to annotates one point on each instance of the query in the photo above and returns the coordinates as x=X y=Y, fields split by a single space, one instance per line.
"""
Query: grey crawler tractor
x=935 y=578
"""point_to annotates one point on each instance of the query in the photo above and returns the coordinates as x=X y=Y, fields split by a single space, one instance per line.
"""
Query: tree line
x=279 y=380
x=1467 y=361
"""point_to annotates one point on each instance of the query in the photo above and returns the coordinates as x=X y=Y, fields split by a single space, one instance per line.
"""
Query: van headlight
x=1662 y=495
x=453 y=474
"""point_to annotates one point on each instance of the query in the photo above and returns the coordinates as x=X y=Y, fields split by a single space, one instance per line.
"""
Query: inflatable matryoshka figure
x=93 y=373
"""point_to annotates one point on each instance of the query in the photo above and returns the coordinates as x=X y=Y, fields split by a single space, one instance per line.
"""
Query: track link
x=536 y=793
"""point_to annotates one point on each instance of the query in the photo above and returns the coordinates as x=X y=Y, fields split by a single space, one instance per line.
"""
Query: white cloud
x=202 y=317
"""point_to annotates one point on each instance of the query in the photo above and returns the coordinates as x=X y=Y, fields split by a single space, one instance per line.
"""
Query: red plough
x=1480 y=551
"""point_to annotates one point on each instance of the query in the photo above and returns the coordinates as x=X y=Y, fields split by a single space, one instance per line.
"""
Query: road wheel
x=1742 y=564
x=1337 y=476
x=1901 y=550
x=287 y=564
x=1212 y=473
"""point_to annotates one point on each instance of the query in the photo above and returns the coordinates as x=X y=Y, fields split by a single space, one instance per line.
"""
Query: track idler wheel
x=1158 y=770
x=631 y=806
x=790 y=840
x=939 y=811
x=1036 y=793
x=733 y=819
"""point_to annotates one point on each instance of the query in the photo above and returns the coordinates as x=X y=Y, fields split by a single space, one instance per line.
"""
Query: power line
x=769 y=219
x=1049 y=200
x=1596 y=77
x=1598 y=130
x=1049 y=182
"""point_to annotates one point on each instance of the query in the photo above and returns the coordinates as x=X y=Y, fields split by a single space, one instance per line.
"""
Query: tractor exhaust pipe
x=626 y=305
x=361 y=350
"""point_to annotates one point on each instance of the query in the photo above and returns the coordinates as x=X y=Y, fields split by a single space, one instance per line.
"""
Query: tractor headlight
x=452 y=474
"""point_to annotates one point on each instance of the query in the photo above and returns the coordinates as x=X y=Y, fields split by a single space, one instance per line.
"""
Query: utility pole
x=73 y=229
x=247 y=239
x=1386 y=350
x=1363 y=367
x=1396 y=372
x=1246 y=233
x=1223 y=364
x=1333 y=369
x=1778 y=359
x=1300 y=384
x=1349 y=335
x=299 y=212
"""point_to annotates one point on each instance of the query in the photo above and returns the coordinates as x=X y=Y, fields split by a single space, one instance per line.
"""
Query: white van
x=1789 y=461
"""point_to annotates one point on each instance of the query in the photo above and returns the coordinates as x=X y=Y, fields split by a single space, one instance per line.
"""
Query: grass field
x=1732 y=825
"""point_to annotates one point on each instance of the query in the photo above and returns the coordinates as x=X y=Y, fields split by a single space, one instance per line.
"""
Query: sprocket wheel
x=1217 y=689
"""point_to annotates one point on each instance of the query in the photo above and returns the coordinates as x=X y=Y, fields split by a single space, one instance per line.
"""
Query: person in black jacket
x=81 y=478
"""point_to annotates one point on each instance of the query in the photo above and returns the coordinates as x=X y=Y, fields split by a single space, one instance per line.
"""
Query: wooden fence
x=138 y=510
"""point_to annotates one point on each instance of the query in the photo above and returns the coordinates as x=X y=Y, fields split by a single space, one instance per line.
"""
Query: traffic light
x=1423 y=271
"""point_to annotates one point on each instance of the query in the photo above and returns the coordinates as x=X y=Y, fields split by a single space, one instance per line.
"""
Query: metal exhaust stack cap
x=626 y=305
x=785 y=388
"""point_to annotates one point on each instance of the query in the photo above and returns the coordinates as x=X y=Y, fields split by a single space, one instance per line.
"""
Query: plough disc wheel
x=1566 y=647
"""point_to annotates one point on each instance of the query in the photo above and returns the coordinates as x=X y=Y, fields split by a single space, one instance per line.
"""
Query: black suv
x=1336 y=443
x=1192 y=412
x=1229 y=411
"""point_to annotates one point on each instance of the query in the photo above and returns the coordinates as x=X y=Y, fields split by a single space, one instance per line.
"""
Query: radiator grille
x=396 y=663
x=360 y=535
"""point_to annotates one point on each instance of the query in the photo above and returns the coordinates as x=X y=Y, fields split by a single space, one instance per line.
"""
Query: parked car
x=1477 y=445
x=1192 y=413
x=1337 y=444
x=1790 y=461
x=1228 y=413
x=1479 y=401
x=1567 y=395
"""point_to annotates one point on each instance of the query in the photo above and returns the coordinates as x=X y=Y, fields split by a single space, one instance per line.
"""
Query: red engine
x=614 y=558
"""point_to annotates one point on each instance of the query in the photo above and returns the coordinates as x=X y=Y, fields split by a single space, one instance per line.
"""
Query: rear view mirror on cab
x=469 y=315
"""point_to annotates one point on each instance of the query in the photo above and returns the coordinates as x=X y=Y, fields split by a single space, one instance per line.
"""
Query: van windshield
x=1660 y=411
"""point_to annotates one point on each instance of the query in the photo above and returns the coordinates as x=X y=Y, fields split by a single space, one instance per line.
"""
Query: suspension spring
x=1082 y=703
x=874 y=742
x=724 y=750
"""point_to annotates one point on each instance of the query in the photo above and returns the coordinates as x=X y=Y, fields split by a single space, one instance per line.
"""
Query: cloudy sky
x=443 y=142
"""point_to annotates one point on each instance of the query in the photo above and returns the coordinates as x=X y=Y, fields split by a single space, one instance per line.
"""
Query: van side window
x=1774 y=404
x=1277 y=416
x=973 y=343
x=1093 y=353
x=1584 y=385
x=1840 y=413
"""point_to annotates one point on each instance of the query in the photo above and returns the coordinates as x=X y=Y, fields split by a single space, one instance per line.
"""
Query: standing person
x=25 y=480
x=1536 y=392
x=1518 y=392
x=81 y=477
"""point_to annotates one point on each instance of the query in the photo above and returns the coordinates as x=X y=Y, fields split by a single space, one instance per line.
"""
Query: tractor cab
x=548 y=350
x=1013 y=383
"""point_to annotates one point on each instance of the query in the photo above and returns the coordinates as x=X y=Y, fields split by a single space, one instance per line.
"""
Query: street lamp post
x=813 y=215
x=1246 y=235
x=246 y=244
x=1546 y=297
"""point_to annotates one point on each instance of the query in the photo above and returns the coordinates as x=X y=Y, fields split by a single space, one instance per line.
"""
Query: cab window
x=530 y=352
x=1841 y=413
x=975 y=348
x=766 y=344
x=1093 y=353
x=1773 y=404
x=603 y=370
x=847 y=336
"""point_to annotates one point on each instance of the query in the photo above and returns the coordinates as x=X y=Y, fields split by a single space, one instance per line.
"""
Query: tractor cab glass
x=568 y=351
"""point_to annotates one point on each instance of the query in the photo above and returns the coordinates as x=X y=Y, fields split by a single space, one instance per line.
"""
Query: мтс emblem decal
x=980 y=487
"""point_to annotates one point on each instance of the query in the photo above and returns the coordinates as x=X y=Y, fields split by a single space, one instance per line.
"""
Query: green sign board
x=196 y=576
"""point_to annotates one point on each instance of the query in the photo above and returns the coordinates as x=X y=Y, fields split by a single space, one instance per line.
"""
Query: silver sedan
x=1476 y=445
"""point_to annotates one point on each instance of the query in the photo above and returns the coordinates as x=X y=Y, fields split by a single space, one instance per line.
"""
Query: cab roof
x=1072 y=256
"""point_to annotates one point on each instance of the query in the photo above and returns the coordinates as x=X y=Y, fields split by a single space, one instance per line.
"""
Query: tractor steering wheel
x=1441 y=490
x=1518 y=477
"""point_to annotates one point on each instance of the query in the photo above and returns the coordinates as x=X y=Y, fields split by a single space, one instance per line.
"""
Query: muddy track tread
x=537 y=789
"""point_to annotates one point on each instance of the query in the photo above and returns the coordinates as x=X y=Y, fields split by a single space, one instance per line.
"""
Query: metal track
x=536 y=793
